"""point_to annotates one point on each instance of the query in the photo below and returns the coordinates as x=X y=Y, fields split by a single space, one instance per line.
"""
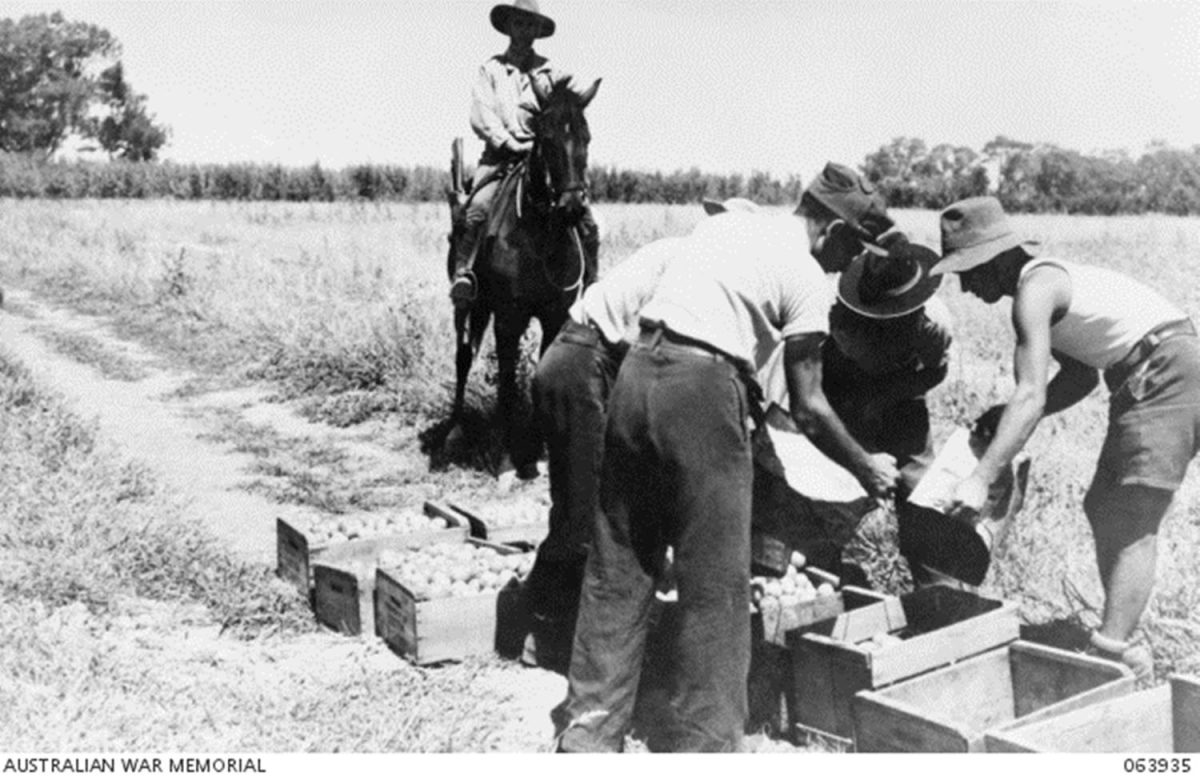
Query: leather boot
x=464 y=287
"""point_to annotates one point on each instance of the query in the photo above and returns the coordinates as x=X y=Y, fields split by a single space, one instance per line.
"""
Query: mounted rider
x=503 y=104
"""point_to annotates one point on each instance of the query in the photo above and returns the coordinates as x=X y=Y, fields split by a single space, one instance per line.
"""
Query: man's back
x=743 y=282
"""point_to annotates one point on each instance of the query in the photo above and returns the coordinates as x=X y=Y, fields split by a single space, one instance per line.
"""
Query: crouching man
x=1091 y=320
x=677 y=472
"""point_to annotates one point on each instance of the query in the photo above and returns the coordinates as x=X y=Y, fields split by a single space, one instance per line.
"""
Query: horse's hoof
x=454 y=439
x=528 y=471
x=505 y=481
x=462 y=292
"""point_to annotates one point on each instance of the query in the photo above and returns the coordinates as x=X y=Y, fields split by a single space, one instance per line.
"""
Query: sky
x=722 y=85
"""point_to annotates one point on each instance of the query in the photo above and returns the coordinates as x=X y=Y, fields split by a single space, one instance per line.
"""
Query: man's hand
x=881 y=476
x=967 y=500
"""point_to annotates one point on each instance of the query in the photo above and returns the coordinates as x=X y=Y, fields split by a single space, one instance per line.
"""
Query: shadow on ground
x=471 y=442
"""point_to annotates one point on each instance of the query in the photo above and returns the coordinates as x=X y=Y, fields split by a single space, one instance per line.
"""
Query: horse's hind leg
x=516 y=417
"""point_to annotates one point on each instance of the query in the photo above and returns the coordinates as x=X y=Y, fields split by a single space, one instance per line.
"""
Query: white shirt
x=613 y=303
x=741 y=283
x=1108 y=314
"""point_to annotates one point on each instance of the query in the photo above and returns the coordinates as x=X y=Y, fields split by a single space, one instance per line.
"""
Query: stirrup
x=463 y=290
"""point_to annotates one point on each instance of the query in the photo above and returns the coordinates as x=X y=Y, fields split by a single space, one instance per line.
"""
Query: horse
x=531 y=264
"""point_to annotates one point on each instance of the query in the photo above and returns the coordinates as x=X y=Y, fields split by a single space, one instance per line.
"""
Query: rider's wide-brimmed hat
x=974 y=231
x=504 y=12
x=892 y=284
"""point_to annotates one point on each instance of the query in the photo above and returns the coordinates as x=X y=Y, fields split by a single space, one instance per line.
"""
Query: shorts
x=1154 y=418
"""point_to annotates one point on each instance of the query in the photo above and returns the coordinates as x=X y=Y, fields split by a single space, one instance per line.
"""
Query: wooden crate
x=344 y=578
x=772 y=625
x=525 y=536
x=949 y=710
x=450 y=629
x=770 y=680
x=295 y=555
x=771 y=685
x=936 y=626
x=1165 y=719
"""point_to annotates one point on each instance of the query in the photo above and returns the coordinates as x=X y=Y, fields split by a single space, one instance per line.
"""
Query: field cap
x=503 y=13
x=974 y=231
x=713 y=207
x=884 y=286
x=852 y=198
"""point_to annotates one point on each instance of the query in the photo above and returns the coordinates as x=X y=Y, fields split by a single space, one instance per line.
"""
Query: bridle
x=554 y=200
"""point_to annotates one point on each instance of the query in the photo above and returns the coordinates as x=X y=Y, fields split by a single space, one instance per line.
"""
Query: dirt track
x=173 y=434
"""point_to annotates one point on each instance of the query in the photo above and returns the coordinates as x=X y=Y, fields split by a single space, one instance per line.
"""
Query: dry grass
x=128 y=629
x=344 y=307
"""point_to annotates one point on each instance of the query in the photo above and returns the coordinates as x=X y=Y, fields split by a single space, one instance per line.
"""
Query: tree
x=891 y=168
x=128 y=132
x=54 y=76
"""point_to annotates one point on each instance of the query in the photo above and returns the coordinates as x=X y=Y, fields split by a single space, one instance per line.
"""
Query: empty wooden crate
x=1165 y=719
x=949 y=710
x=769 y=684
x=877 y=646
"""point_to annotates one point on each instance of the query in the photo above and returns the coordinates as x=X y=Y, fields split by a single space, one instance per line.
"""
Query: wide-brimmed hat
x=974 y=231
x=893 y=284
x=501 y=14
x=852 y=198
x=713 y=207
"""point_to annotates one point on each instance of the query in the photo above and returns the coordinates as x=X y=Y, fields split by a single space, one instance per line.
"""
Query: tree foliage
x=128 y=131
x=1037 y=177
x=59 y=78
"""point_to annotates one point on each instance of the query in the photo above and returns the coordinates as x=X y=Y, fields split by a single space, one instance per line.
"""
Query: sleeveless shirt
x=1108 y=314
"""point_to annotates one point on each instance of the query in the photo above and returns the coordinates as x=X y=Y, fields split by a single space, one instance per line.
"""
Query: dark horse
x=532 y=262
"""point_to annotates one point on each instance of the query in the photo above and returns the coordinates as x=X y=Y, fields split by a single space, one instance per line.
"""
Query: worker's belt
x=653 y=333
x=1118 y=372
x=593 y=336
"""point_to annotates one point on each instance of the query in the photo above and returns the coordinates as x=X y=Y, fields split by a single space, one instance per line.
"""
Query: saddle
x=506 y=204
x=505 y=207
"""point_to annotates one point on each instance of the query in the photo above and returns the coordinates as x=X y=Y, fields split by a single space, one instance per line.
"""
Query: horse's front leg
x=468 y=333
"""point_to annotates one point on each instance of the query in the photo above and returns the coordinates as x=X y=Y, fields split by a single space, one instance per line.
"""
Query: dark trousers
x=570 y=393
x=677 y=471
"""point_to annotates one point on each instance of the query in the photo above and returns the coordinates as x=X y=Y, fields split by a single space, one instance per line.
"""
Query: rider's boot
x=464 y=287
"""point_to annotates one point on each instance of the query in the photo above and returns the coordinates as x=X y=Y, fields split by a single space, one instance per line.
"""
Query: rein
x=554 y=196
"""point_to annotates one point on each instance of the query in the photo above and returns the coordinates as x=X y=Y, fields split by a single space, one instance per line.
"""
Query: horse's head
x=561 y=139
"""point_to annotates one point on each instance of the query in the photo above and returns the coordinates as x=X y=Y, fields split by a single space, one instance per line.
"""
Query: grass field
x=344 y=307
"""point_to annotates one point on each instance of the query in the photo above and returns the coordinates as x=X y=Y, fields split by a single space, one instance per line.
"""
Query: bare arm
x=1044 y=292
x=1073 y=382
x=816 y=419
x=1033 y=309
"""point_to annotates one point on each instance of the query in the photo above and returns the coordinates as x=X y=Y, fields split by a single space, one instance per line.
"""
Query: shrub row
x=26 y=177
